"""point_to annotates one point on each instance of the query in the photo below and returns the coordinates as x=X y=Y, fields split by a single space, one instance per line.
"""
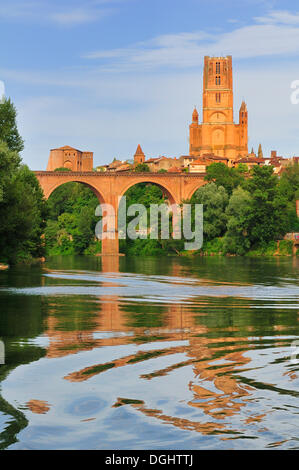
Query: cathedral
x=218 y=134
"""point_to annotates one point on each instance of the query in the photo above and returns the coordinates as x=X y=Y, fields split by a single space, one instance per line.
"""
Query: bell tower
x=218 y=99
x=218 y=134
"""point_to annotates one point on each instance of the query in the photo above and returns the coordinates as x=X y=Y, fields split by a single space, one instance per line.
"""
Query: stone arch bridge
x=109 y=188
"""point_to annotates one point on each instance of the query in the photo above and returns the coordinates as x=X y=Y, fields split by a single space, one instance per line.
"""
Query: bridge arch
x=164 y=187
x=57 y=184
x=194 y=189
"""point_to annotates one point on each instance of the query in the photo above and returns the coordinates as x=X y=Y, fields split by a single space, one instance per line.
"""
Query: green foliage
x=147 y=194
x=214 y=199
x=162 y=170
x=285 y=247
x=214 y=246
x=9 y=163
x=142 y=168
x=8 y=127
x=22 y=215
x=268 y=218
x=288 y=188
x=22 y=205
x=242 y=168
x=71 y=224
x=62 y=168
x=237 y=239
x=222 y=175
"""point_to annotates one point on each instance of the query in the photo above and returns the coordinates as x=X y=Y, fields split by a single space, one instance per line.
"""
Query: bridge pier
x=110 y=246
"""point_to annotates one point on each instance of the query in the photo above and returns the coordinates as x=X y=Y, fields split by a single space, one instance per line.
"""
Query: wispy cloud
x=60 y=13
x=279 y=17
x=272 y=35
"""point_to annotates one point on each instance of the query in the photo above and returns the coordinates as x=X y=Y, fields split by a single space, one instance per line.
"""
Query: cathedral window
x=218 y=97
x=218 y=67
x=217 y=80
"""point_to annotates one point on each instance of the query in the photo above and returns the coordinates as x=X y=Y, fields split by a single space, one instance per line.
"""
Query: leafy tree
x=22 y=205
x=268 y=218
x=72 y=215
x=22 y=214
x=214 y=199
x=289 y=182
x=142 y=168
x=9 y=162
x=289 y=188
x=238 y=212
x=242 y=168
x=8 y=127
x=225 y=176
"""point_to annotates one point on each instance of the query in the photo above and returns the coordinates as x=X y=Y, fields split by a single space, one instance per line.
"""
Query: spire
x=139 y=151
x=195 y=116
x=139 y=156
x=243 y=107
x=260 y=152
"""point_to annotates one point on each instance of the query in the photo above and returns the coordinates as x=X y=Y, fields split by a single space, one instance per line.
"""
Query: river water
x=152 y=353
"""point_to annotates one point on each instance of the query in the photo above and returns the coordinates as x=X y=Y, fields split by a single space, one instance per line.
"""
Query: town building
x=70 y=158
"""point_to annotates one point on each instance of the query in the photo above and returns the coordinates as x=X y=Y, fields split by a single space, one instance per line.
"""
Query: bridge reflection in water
x=215 y=389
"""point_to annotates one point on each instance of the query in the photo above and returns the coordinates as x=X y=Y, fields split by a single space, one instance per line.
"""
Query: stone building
x=71 y=158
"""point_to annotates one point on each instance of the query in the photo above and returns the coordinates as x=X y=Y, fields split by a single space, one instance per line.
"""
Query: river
x=150 y=353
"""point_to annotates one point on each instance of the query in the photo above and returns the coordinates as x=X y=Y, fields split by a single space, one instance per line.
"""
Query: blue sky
x=107 y=75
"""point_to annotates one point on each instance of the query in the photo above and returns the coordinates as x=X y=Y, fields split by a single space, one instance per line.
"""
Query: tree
x=22 y=205
x=239 y=209
x=142 y=168
x=224 y=176
x=214 y=199
x=268 y=218
x=288 y=188
x=22 y=215
x=8 y=127
x=72 y=214
x=9 y=162
x=289 y=182
x=242 y=168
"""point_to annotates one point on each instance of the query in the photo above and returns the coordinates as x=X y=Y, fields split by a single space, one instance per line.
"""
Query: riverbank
x=272 y=249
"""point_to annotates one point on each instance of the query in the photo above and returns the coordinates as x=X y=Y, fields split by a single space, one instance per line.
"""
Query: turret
x=139 y=156
x=243 y=114
x=195 y=116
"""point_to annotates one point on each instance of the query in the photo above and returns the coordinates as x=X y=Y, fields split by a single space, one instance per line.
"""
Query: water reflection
x=145 y=354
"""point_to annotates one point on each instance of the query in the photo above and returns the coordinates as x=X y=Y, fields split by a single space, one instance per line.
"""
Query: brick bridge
x=110 y=187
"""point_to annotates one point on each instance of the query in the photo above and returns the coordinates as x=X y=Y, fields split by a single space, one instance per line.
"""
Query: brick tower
x=218 y=133
x=139 y=156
